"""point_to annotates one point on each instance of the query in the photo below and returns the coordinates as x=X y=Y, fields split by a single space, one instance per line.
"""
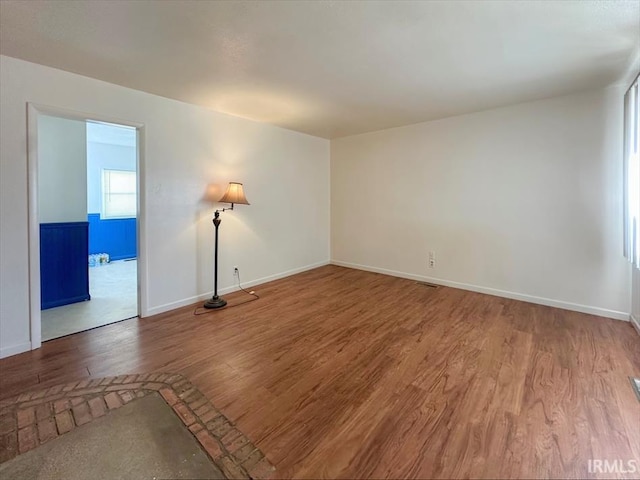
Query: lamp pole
x=215 y=301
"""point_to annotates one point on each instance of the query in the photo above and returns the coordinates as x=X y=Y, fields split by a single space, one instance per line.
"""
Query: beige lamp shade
x=234 y=194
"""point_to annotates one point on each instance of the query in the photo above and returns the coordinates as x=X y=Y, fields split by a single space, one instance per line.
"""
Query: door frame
x=33 y=111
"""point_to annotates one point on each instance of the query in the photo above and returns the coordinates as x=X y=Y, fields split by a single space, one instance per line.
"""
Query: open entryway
x=87 y=199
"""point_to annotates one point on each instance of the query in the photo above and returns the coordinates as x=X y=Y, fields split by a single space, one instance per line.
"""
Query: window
x=119 y=194
x=632 y=174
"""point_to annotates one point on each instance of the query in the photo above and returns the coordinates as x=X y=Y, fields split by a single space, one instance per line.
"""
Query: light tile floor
x=114 y=297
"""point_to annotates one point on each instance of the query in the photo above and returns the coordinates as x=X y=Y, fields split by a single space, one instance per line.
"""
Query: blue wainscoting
x=117 y=237
x=64 y=271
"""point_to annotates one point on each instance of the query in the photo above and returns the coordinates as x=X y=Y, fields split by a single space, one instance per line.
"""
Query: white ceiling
x=332 y=68
x=111 y=134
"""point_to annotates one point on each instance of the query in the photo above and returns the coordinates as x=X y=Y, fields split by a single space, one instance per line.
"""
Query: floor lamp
x=233 y=195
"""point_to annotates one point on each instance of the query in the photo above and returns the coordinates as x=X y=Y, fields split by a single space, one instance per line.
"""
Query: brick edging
x=35 y=417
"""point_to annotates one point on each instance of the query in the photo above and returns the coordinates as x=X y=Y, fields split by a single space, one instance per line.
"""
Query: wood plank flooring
x=338 y=373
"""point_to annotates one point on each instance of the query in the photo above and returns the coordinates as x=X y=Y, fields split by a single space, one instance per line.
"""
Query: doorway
x=85 y=211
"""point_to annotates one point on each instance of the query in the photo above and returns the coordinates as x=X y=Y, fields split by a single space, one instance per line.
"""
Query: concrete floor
x=143 y=440
x=113 y=289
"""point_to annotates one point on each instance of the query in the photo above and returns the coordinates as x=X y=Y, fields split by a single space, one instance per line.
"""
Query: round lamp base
x=215 y=302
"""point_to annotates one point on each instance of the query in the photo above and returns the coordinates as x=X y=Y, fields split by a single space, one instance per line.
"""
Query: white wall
x=186 y=149
x=522 y=201
x=108 y=147
x=62 y=172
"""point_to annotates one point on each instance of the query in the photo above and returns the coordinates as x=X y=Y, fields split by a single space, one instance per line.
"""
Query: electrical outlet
x=235 y=271
x=432 y=259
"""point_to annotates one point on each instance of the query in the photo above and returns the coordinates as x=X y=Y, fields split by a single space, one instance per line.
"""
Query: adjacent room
x=329 y=239
x=87 y=199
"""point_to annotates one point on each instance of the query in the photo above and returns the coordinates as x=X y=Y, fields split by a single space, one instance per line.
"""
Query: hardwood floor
x=340 y=373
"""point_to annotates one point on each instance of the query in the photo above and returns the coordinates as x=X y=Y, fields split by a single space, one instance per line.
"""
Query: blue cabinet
x=64 y=269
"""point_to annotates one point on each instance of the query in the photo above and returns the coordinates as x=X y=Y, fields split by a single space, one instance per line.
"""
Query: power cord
x=252 y=293
x=205 y=311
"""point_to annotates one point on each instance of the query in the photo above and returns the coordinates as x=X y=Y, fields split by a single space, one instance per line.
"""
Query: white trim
x=223 y=291
x=15 y=349
x=576 y=307
x=141 y=224
x=33 y=110
x=635 y=322
x=35 y=331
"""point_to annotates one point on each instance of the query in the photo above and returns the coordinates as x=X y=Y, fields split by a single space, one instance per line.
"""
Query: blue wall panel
x=64 y=270
x=117 y=237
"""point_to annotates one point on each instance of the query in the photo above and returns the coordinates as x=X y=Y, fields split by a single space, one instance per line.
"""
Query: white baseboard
x=15 y=349
x=199 y=298
x=602 y=312
x=635 y=322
